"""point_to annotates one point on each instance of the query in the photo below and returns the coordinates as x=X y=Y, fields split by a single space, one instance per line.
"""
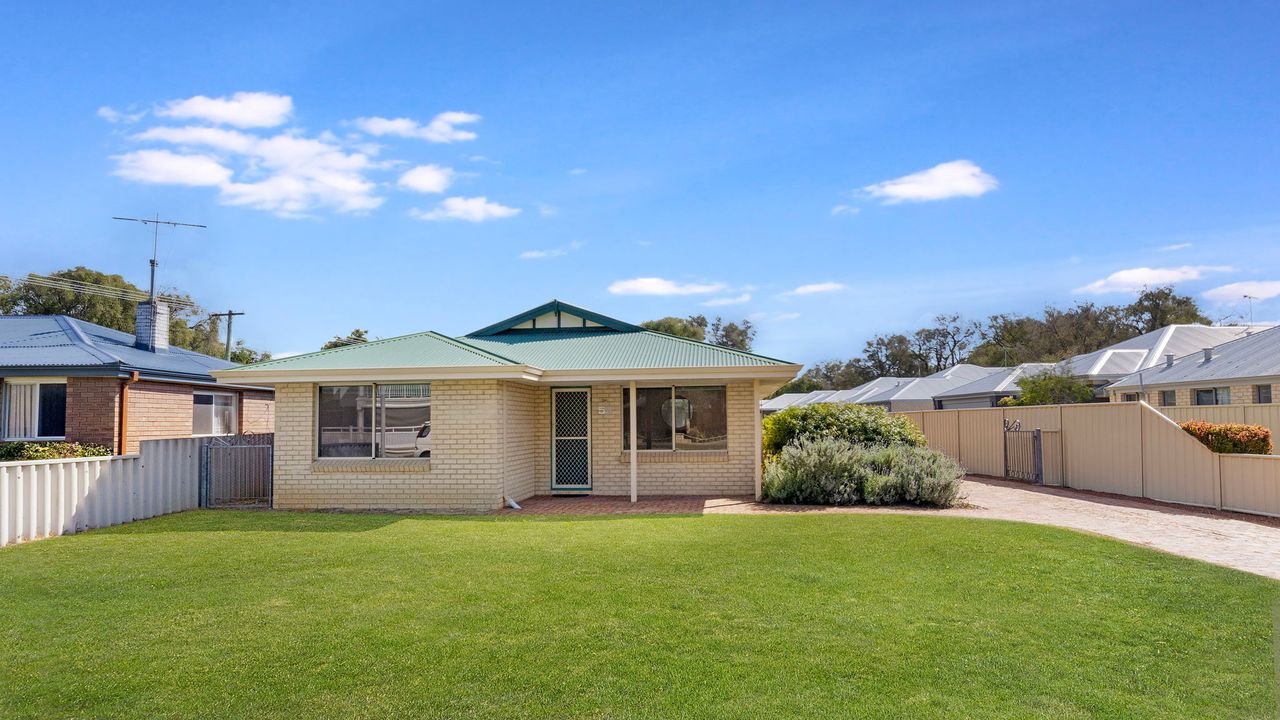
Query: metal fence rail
x=236 y=471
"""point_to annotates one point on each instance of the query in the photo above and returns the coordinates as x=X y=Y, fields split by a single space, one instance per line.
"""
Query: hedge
x=865 y=424
x=22 y=450
x=830 y=471
x=1231 y=437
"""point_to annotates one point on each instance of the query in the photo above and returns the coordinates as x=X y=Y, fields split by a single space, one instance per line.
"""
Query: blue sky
x=832 y=172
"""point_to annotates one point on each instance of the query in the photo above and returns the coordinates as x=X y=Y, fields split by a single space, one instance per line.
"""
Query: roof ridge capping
x=556 y=306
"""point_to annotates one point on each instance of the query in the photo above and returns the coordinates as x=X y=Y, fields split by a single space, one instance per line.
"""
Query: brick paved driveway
x=1235 y=540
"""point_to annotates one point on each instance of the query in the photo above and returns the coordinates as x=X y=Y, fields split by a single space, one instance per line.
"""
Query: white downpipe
x=511 y=503
x=635 y=436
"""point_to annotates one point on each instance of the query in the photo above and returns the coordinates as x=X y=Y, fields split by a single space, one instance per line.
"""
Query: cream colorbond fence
x=1122 y=448
x=44 y=498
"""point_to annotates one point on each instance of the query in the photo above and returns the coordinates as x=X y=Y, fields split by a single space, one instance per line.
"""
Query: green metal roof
x=614 y=346
x=613 y=350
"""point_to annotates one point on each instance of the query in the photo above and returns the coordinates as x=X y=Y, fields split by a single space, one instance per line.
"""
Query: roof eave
x=403 y=374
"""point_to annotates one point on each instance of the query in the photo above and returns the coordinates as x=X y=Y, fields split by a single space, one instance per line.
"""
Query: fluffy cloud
x=441 y=129
x=958 y=178
x=1173 y=247
x=1259 y=289
x=427 y=179
x=1133 y=279
x=660 y=286
x=553 y=252
x=723 y=301
x=476 y=209
x=114 y=116
x=242 y=110
x=161 y=167
x=815 y=288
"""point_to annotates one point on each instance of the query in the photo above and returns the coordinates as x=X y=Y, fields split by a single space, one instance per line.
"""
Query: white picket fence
x=45 y=498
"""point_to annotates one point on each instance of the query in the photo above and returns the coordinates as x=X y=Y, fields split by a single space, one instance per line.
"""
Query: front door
x=570 y=440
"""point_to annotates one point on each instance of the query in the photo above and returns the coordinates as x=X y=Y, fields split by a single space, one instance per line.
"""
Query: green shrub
x=831 y=471
x=22 y=450
x=865 y=424
x=1231 y=437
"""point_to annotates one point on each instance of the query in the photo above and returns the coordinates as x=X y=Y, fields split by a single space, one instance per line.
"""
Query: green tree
x=356 y=337
x=245 y=355
x=693 y=327
x=732 y=335
x=1158 y=307
x=190 y=326
x=1051 y=388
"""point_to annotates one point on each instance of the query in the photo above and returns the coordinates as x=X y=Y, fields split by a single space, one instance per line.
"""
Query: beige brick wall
x=671 y=473
x=257 y=411
x=526 y=429
x=157 y=410
x=1240 y=395
x=465 y=472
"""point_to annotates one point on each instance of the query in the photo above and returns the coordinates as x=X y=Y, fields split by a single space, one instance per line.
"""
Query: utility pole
x=155 y=224
x=229 y=315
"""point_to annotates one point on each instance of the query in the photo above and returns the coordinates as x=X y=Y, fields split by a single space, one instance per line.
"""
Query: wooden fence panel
x=981 y=435
x=1102 y=447
x=1251 y=483
x=1176 y=467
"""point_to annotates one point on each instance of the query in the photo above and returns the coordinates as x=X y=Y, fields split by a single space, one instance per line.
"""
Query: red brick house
x=66 y=379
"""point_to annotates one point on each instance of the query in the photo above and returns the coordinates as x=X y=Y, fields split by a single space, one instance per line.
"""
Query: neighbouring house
x=910 y=394
x=1103 y=367
x=1242 y=371
x=853 y=395
x=989 y=390
x=555 y=400
x=67 y=379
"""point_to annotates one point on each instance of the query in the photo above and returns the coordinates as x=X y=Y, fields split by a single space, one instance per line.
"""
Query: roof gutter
x=408 y=374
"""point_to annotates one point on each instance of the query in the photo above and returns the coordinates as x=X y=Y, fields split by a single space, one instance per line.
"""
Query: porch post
x=631 y=411
x=759 y=435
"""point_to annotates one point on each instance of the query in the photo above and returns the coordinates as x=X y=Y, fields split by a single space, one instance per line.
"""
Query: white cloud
x=441 y=129
x=286 y=354
x=659 y=286
x=243 y=109
x=161 y=167
x=546 y=210
x=427 y=179
x=114 y=116
x=218 y=138
x=578 y=171
x=815 y=288
x=958 y=178
x=1173 y=247
x=845 y=210
x=1133 y=279
x=476 y=209
x=1259 y=289
x=553 y=252
x=721 y=302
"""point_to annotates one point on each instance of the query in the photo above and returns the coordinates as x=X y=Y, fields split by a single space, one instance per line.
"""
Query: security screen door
x=570 y=439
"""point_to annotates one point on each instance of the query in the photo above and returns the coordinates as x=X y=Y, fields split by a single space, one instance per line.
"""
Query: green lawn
x=243 y=614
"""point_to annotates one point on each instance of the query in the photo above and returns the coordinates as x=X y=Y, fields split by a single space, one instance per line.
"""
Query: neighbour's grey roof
x=926 y=388
x=782 y=402
x=1003 y=382
x=1255 y=355
x=852 y=395
x=1148 y=350
x=46 y=344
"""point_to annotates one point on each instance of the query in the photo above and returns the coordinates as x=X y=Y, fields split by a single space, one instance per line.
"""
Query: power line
x=87 y=288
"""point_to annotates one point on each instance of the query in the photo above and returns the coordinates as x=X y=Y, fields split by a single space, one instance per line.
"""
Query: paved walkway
x=1235 y=540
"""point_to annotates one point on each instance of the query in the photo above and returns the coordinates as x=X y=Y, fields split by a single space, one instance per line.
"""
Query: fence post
x=1037 y=454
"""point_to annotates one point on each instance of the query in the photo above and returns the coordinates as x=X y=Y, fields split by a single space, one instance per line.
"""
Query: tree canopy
x=1050 y=388
x=696 y=327
x=356 y=337
x=190 y=326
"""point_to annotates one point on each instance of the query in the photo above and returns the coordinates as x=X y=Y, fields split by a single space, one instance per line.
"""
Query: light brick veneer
x=93 y=410
x=492 y=439
x=1185 y=396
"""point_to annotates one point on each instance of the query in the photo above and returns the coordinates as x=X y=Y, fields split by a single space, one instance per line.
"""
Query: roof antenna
x=155 y=224
x=1250 y=298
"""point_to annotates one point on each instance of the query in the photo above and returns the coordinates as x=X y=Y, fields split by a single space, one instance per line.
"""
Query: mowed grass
x=286 y=615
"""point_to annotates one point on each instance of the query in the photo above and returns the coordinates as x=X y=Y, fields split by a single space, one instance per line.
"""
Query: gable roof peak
x=556 y=315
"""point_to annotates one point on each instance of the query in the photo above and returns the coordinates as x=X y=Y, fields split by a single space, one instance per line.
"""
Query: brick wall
x=1185 y=396
x=93 y=410
x=464 y=473
x=257 y=412
x=526 y=429
x=158 y=410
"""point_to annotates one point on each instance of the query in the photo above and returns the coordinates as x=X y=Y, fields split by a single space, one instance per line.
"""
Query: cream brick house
x=1243 y=371
x=539 y=403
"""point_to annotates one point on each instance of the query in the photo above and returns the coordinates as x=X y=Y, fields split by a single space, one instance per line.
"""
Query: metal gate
x=570 y=440
x=235 y=471
x=1023 y=453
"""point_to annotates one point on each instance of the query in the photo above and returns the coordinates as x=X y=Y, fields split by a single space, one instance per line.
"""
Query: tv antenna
x=1250 y=298
x=155 y=224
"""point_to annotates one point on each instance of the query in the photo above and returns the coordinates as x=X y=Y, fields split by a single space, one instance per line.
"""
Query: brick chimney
x=151 y=326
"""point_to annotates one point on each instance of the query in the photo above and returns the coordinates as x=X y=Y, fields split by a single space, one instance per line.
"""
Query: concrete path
x=1235 y=540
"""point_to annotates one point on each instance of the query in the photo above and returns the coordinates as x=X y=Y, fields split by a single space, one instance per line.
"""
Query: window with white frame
x=213 y=413
x=677 y=418
x=374 y=421
x=34 y=409
x=1213 y=396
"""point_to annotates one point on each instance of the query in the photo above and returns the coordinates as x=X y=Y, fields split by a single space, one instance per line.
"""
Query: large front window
x=677 y=418
x=34 y=410
x=367 y=421
x=213 y=413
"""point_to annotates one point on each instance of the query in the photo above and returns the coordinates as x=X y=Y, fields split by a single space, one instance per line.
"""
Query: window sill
x=387 y=465
x=51 y=438
x=648 y=457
